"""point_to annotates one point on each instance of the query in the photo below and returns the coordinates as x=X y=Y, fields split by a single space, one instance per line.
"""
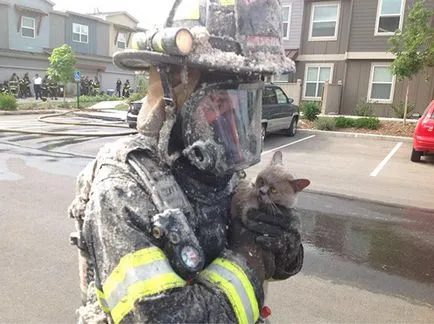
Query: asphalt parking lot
x=364 y=168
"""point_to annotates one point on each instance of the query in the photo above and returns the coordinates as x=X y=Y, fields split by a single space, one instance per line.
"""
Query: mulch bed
x=391 y=128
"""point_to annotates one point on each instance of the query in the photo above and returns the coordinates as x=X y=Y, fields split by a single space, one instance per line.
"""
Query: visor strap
x=170 y=110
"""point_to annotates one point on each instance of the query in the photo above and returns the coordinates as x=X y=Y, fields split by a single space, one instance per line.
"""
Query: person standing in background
x=37 y=81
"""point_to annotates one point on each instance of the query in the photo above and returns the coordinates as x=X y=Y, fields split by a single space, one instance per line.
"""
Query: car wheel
x=415 y=155
x=292 y=130
x=263 y=133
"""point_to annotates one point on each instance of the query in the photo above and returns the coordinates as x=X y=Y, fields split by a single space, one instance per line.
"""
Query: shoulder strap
x=160 y=184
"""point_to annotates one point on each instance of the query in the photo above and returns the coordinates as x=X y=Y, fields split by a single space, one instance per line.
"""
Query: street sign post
x=77 y=78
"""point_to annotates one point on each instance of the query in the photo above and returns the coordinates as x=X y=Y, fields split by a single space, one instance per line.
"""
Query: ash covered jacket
x=134 y=280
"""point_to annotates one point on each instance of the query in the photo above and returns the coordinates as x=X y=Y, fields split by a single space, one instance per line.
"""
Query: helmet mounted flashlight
x=171 y=41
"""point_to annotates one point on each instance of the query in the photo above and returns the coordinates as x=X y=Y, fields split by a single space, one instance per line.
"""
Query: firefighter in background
x=155 y=235
x=53 y=88
x=126 y=91
x=13 y=85
x=118 y=87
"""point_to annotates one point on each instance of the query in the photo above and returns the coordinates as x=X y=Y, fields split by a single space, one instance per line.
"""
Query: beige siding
x=357 y=83
x=326 y=47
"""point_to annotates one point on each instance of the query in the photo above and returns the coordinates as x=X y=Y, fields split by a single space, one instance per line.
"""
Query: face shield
x=221 y=127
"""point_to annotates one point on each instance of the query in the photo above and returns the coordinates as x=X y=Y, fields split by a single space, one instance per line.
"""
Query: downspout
x=350 y=19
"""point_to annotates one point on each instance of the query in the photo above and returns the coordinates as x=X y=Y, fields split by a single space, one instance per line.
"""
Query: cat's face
x=276 y=186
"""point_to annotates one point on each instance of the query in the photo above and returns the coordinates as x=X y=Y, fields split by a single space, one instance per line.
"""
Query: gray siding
x=295 y=24
x=4 y=21
x=102 y=39
x=357 y=83
x=83 y=48
x=41 y=40
x=57 y=30
x=363 y=28
x=338 y=46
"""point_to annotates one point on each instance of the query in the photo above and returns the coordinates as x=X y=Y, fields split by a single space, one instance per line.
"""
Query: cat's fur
x=274 y=186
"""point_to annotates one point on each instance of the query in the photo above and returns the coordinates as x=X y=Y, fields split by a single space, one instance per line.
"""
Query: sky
x=140 y=9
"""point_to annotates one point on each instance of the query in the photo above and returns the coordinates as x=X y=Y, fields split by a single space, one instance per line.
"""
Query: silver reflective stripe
x=104 y=304
x=134 y=275
x=233 y=279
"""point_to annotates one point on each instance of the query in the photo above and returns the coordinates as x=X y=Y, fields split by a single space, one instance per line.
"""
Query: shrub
x=364 y=108
x=325 y=123
x=344 y=122
x=8 y=102
x=367 y=122
x=398 y=109
x=103 y=97
x=310 y=110
x=136 y=96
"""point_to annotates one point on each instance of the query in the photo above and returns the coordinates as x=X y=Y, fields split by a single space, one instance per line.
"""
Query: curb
x=366 y=200
x=357 y=135
x=33 y=112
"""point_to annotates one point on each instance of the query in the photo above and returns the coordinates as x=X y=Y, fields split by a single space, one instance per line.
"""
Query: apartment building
x=32 y=29
x=346 y=43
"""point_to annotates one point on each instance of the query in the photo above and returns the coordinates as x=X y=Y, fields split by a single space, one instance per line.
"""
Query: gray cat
x=274 y=186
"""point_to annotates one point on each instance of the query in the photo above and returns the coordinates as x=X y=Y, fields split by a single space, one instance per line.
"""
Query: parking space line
x=289 y=144
x=386 y=159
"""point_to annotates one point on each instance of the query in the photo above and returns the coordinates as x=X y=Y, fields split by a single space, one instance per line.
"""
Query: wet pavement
x=378 y=247
x=383 y=250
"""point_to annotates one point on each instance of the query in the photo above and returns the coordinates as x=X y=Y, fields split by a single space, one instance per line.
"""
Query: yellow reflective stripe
x=144 y=288
x=129 y=261
x=230 y=292
x=240 y=274
x=226 y=3
x=102 y=302
x=188 y=10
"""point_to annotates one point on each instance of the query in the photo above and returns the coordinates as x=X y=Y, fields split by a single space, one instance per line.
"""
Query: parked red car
x=423 y=138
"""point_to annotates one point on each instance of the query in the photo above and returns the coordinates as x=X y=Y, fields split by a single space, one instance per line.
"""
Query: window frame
x=125 y=41
x=377 y=19
x=34 y=27
x=80 y=33
x=317 y=65
x=371 y=77
x=288 y=29
x=338 y=16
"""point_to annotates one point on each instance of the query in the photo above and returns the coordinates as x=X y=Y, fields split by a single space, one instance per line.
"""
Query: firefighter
x=13 y=85
x=155 y=238
x=126 y=91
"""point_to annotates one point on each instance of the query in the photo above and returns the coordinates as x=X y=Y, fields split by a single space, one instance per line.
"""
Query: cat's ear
x=277 y=159
x=300 y=184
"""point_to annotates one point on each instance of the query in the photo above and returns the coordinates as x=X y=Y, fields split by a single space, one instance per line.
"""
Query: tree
x=414 y=46
x=62 y=61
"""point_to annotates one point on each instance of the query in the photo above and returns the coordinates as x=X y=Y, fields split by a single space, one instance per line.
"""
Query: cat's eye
x=273 y=190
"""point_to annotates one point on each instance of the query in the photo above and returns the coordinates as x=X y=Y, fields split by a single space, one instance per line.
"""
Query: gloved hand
x=278 y=234
x=243 y=242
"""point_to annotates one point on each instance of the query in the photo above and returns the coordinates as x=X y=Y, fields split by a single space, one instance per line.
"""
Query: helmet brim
x=141 y=60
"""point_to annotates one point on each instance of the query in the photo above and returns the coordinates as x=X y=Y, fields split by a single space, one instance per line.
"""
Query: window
x=80 y=33
x=122 y=40
x=389 y=16
x=315 y=76
x=381 y=84
x=28 y=27
x=286 y=21
x=324 y=21
x=281 y=96
x=269 y=97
